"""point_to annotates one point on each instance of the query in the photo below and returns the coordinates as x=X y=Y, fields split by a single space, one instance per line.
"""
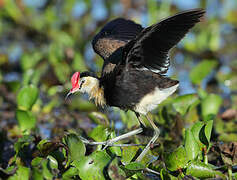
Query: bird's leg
x=118 y=138
x=153 y=139
x=111 y=142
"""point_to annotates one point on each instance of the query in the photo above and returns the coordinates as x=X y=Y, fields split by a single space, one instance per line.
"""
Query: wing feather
x=149 y=50
x=114 y=35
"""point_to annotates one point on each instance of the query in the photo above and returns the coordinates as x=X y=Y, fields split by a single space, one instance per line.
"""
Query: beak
x=73 y=90
x=68 y=94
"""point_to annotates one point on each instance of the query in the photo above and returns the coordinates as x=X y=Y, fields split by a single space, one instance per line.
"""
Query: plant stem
x=230 y=172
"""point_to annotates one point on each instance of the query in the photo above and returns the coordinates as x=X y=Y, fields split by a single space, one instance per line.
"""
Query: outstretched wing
x=149 y=50
x=114 y=35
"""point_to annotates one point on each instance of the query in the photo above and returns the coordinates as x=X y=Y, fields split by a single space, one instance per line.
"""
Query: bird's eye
x=82 y=82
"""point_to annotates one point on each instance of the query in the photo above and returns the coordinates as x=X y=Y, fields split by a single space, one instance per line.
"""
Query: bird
x=136 y=60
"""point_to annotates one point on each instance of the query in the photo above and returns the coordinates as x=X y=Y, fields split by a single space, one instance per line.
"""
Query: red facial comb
x=75 y=78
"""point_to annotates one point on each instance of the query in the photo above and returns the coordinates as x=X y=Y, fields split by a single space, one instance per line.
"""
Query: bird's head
x=83 y=82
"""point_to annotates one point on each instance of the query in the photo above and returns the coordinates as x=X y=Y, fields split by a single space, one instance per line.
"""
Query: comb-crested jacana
x=135 y=61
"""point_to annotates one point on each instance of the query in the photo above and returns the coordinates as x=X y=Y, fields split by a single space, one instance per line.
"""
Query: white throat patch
x=91 y=87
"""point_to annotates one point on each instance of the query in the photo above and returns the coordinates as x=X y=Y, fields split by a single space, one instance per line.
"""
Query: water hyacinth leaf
x=196 y=130
x=202 y=93
x=70 y=173
x=128 y=153
x=100 y=133
x=210 y=105
x=36 y=161
x=75 y=146
x=52 y=162
x=42 y=144
x=92 y=167
x=134 y=166
x=25 y=119
x=200 y=71
x=37 y=174
x=129 y=118
x=208 y=129
x=202 y=133
x=46 y=171
x=183 y=103
x=22 y=173
x=176 y=159
x=199 y=169
x=191 y=145
x=27 y=97
x=44 y=168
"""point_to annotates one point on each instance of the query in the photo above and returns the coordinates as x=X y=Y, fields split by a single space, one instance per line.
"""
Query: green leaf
x=196 y=130
x=45 y=147
x=46 y=171
x=129 y=118
x=52 y=162
x=200 y=71
x=176 y=159
x=27 y=97
x=70 y=173
x=191 y=145
x=199 y=169
x=26 y=120
x=36 y=161
x=37 y=174
x=128 y=153
x=22 y=173
x=202 y=133
x=44 y=168
x=75 y=146
x=100 y=133
x=210 y=105
x=92 y=167
x=183 y=103
x=208 y=129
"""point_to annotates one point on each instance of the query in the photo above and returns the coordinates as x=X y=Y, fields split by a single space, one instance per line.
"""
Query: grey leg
x=111 y=142
x=131 y=133
x=152 y=141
